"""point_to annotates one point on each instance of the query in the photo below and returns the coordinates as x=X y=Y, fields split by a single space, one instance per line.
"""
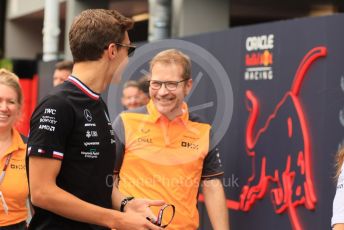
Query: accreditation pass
x=3 y=202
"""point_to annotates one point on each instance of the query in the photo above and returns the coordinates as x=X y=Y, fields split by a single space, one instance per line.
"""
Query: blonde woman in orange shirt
x=13 y=179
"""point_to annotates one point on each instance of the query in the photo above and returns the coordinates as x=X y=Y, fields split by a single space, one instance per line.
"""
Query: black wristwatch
x=124 y=202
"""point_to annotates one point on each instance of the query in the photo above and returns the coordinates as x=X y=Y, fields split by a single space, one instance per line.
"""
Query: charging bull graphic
x=281 y=152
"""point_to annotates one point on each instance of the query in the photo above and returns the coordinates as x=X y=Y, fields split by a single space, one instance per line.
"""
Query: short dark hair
x=64 y=65
x=93 y=30
x=144 y=84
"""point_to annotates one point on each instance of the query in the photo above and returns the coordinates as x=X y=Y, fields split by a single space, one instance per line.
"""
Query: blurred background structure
x=24 y=24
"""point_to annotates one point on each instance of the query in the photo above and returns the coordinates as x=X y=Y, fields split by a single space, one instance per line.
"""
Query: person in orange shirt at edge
x=13 y=180
x=164 y=152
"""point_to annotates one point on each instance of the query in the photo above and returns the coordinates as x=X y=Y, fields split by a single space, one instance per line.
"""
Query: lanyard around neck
x=7 y=162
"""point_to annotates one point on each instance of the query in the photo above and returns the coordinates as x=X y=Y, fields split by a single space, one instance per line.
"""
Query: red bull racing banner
x=274 y=95
x=287 y=121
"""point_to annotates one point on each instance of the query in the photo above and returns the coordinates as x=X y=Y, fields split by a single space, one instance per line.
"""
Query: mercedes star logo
x=88 y=115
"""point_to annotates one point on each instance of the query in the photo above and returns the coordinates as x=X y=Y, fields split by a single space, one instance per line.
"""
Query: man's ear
x=111 y=50
x=114 y=52
x=188 y=86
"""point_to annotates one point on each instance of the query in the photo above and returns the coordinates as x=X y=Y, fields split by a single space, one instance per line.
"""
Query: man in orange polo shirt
x=163 y=152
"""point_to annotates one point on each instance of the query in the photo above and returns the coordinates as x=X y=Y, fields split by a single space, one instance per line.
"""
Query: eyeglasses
x=170 y=85
x=165 y=216
x=131 y=48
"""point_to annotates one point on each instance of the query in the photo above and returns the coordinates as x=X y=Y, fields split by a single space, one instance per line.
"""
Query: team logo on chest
x=88 y=115
x=145 y=140
x=186 y=144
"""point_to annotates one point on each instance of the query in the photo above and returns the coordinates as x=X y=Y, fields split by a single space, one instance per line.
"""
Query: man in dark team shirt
x=71 y=147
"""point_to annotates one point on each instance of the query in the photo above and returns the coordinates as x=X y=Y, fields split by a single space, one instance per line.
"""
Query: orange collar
x=17 y=143
x=155 y=115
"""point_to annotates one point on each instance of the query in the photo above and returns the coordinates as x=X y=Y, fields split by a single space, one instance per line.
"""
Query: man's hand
x=136 y=213
x=141 y=206
x=131 y=220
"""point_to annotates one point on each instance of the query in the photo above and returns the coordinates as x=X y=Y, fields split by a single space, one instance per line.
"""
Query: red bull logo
x=292 y=185
x=259 y=59
x=281 y=164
